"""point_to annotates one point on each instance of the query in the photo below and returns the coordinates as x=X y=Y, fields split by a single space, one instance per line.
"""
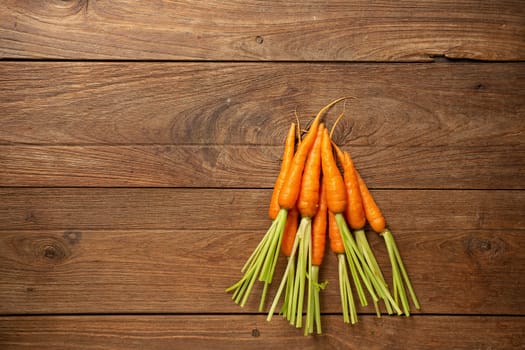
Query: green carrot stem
x=365 y=249
x=309 y=327
x=399 y=272
x=289 y=267
x=303 y=234
x=317 y=303
x=347 y=298
x=355 y=255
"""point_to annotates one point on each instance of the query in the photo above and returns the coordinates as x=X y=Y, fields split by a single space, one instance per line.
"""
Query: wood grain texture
x=81 y=103
x=181 y=271
x=253 y=332
x=275 y=30
x=492 y=167
x=245 y=209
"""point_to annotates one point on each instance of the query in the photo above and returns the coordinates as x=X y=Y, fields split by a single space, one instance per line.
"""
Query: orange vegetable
x=354 y=213
x=289 y=231
x=319 y=224
x=335 y=186
x=373 y=213
x=288 y=153
x=336 y=242
x=292 y=184
x=308 y=200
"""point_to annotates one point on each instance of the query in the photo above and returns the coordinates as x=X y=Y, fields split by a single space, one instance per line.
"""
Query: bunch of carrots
x=313 y=199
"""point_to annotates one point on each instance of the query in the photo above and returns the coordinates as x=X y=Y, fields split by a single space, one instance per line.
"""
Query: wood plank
x=245 y=209
x=253 y=332
x=250 y=30
x=481 y=167
x=158 y=271
x=79 y=103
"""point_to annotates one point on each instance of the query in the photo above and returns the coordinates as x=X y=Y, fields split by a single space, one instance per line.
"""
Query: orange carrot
x=288 y=153
x=308 y=163
x=308 y=200
x=335 y=186
x=400 y=278
x=291 y=187
x=336 y=195
x=336 y=242
x=373 y=213
x=313 y=311
x=354 y=213
x=319 y=224
x=289 y=231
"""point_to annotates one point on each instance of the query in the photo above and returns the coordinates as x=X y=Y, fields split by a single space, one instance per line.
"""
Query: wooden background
x=139 y=142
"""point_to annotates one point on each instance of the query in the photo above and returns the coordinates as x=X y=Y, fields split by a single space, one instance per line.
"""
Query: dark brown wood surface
x=253 y=332
x=185 y=271
x=139 y=142
x=174 y=103
x=272 y=30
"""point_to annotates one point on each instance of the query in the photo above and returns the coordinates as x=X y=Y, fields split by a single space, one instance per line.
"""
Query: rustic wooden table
x=139 y=142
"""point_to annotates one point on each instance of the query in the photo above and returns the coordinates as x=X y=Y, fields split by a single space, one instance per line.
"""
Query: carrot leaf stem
x=303 y=235
x=261 y=263
x=365 y=249
x=399 y=273
x=286 y=309
x=345 y=290
x=289 y=268
x=354 y=255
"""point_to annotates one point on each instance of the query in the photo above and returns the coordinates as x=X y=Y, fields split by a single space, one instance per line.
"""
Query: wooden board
x=403 y=105
x=139 y=142
x=492 y=167
x=250 y=30
x=253 y=332
x=187 y=271
x=244 y=209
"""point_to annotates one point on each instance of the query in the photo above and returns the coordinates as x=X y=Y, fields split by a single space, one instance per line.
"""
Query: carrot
x=354 y=213
x=308 y=200
x=287 y=199
x=335 y=186
x=401 y=281
x=319 y=223
x=336 y=191
x=336 y=241
x=288 y=153
x=307 y=204
x=289 y=232
x=373 y=213
x=355 y=216
x=291 y=187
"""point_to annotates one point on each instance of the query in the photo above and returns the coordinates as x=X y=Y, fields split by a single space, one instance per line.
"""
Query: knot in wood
x=55 y=252
x=67 y=7
x=51 y=250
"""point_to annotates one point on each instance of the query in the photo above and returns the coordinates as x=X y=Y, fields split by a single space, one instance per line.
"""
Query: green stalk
x=362 y=265
x=261 y=263
x=354 y=255
x=289 y=267
x=365 y=249
x=345 y=290
x=287 y=294
x=309 y=327
x=399 y=272
x=303 y=234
